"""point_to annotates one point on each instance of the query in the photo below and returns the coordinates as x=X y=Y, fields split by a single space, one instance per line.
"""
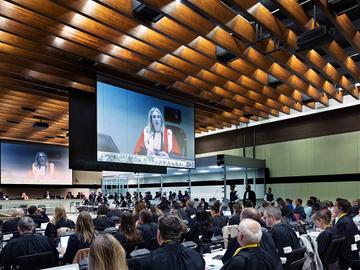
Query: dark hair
x=102 y=209
x=248 y=204
x=127 y=227
x=216 y=206
x=280 y=201
x=324 y=214
x=250 y=213
x=237 y=207
x=32 y=210
x=37 y=162
x=146 y=216
x=289 y=200
x=170 y=227
x=299 y=200
x=343 y=204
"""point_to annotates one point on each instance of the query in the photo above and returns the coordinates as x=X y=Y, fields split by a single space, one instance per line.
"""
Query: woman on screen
x=41 y=167
x=156 y=139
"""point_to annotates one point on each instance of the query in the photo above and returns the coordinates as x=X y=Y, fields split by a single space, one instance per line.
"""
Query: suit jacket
x=252 y=197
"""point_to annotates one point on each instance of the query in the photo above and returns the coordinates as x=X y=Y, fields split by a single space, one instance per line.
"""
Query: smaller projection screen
x=134 y=128
x=25 y=163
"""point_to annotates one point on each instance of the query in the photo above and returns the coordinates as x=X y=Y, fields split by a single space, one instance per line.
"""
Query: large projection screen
x=31 y=163
x=134 y=128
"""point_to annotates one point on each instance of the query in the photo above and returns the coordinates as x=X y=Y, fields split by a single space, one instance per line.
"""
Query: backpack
x=312 y=261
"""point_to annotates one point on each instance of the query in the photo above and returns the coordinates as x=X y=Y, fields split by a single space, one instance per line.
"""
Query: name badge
x=357 y=237
x=283 y=260
x=354 y=247
x=297 y=234
x=287 y=250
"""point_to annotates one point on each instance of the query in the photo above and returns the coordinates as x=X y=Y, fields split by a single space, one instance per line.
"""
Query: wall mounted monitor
x=30 y=163
x=136 y=128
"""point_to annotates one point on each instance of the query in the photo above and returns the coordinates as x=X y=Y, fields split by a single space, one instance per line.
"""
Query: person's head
x=269 y=190
x=232 y=187
x=139 y=205
x=102 y=210
x=248 y=187
x=59 y=213
x=237 y=208
x=155 y=120
x=215 y=209
x=298 y=202
x=202 y=200
x=41 y=159
x=127 y=223
x=170 y=227
x=250 y=213
x=32 y=210
x=288 y=201
x=26 y=225
x=189 y=203
x=355 y=203
x=248 y=204
x=84 y=226
x=322 y=218
x=249 y=232
x=106 y=253
x=280 y=202
x=272 y=215
x=341 y=206
x=18 y=213
x=145 y=216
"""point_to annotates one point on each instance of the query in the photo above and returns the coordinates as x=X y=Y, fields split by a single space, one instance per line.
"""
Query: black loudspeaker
x=315 y=38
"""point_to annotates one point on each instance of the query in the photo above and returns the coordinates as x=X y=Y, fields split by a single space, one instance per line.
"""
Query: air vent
x=40 y=125
x=28 y=109
x=60 y=137
x=315 y=38
x=12 y=121
x=65 y=129
x=224 y=56
x=340 y=6
x=145 y=13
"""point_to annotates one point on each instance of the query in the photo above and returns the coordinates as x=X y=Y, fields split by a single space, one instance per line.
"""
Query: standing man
x=233 y=198
x=249 y=195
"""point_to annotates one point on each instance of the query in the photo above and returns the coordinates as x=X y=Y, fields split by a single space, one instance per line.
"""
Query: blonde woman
x=59 y=223
x=83 y=237
x=106 y=253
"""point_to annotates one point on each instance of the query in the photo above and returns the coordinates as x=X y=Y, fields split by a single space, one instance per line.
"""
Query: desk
x=212 y=263
x=8 y=206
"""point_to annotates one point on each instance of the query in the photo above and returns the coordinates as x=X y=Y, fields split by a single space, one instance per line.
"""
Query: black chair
x=36 y=261
x=293 y=256
x=331 y=252
x=298 y=264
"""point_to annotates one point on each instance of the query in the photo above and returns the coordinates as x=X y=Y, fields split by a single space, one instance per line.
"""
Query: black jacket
x=75 y=243
x=128 y=245
x=51 y=229
x=172 y=256
x=345 y=226
x=324 y=239
x=10 y=226
x=252 y=197
x=250 y=259
x=284 y=236
x=28 y=244
x=149 y=231
x=38 y=219
x=103 y=222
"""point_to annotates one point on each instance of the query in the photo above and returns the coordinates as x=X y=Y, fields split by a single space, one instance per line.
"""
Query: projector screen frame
x=150 y=92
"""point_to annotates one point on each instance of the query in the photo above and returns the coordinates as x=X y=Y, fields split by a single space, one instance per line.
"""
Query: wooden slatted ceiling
x=62 y=44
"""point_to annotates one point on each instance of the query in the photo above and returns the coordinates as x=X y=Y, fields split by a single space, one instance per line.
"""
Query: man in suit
x=249 y=195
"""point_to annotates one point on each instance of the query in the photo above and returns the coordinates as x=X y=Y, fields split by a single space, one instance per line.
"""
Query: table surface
x=211 y=263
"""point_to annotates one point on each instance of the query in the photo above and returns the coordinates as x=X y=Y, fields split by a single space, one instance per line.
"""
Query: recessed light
x=235 y=169
x=203 y=171
x=178 y=173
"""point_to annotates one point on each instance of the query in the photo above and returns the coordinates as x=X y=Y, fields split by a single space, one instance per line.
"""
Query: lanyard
x=247 y=246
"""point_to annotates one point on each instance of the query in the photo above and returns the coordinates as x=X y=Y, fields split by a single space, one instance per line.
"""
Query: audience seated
x=250 y=255
x=106 y=253
x=322 y=221
x=156 y=213
x=59 y=221
x=148 y=228
x=266 y=242
x=101 y=222
x=190 y=209
x=203 y=204
x=286 y=212
x=356 y=220
x=38 y=215
x=83 y=237
x=235 y=218
x=345 y=226
x=27 y=243
x=171 y=253
x=10 y=226
x=128 y=235
x=299 y=212
x=284 y=236
x=218 y=220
